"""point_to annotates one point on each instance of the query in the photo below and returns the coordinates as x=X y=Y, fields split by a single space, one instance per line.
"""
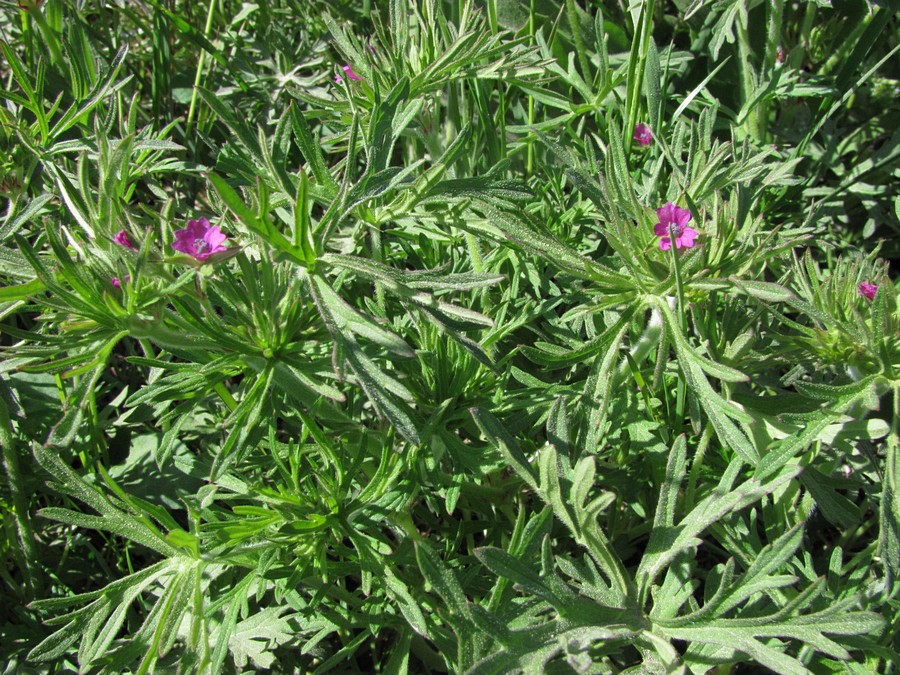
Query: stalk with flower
x=642 y=134
x=867 y=290
x=672 y=227
x=200 y=240
x=348 y=71
x=122 y=239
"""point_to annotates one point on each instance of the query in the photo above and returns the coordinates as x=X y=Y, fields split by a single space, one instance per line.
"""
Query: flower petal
x=215 y=237
x=349 y=71
x=682 y=216
x=688 y=235
x=184 y=242
x=867 y=290
x=642 y=134
x=665 y=244
x=121 y=237
x=199 y=240
x=666 y=213
x=661 y=230
x=195 y=229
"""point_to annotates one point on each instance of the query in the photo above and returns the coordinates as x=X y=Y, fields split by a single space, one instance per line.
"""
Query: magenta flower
x=122 y=239
x=642 y=134
x=199 y=240
x=672 y=223
x=867 y=290
x=118 y=284
x=349 y=72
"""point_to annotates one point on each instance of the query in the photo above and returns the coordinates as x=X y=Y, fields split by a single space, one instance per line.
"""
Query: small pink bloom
x=122 y=239
x=867 y=290
x=642 y=134
x=118 y=284
x=199 y=240
x=672 y=223
x=348 y=70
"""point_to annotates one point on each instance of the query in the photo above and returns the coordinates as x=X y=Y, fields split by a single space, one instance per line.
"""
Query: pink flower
x=349 y=72
x=199 y=240
x=642 y=134
x=672 y=223
x=118 y=284
x=867 y=290
x=122 y=239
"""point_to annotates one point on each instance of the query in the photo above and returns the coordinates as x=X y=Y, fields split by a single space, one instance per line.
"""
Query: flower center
x=676 y=230
x=201 y=245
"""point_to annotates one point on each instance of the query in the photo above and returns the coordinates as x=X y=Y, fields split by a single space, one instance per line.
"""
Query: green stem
x=376 y=247
x=890 y=506
x=637 y=63
x=798 y=57
x=475 y=253
x=682 y=322
x=774 y=11
x=529 y=162
x=405 y=521
x=696 y=466
x=492 y=17
x=225 y=395
x=201 y=64
x=747 y=82
x=49 y=36
x=575 y=26
x=679 y=284
x=27 y=549
x=101 y=447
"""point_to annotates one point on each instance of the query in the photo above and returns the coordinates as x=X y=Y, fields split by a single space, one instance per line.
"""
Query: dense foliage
x=431 y=336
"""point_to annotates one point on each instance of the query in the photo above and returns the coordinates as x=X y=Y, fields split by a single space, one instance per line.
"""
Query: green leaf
x=746 y=635
x=498 y=436
x=443 y=581
x=432 y=280
x=763 y=290
x=503 y=564
x=345 y=318
x=836 y=508
x=386 y=125
x=456 y=608
x=256 y=638
x=104 y=87
x=889 y=518
x=198 y=38
x=667 y=542
x=782 y=452
x=15 y=221
x=843 y=397
x=383 y=390
x=302 y=230
x=22 y=291
x=243 y=423
x=548 y=248
x=259 y=226
x=312 y=152
x=238 y=599
x=111 y=518
x=407 y=604
x=106 y=612
x=292 y=379
x=65 y=431
x=718 y=410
